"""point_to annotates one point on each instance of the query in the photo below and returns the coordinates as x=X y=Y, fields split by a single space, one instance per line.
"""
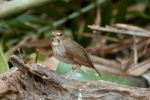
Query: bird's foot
x=69 y=77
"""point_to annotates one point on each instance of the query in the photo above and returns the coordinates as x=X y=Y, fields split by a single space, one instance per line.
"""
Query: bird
x=67 y=50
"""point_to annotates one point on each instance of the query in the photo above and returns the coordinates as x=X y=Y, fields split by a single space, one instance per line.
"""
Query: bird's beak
x=55 y=41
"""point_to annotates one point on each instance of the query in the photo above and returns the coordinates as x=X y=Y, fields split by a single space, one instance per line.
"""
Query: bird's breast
x=60 y=54
x=59 y=50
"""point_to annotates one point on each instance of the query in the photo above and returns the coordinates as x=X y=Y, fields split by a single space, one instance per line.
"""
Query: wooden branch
x=34 y=82
x=122 y=29
x=16 y=6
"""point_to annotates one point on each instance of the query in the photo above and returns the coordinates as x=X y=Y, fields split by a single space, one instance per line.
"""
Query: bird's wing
x=78 y=54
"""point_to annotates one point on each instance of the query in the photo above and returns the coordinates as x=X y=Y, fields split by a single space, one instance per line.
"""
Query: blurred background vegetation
x=32 y=28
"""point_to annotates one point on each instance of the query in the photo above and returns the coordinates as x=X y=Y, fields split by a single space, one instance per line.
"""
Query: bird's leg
x=74 y=69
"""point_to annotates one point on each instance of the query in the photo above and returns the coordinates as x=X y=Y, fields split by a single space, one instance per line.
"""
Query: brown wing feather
x=79 y=55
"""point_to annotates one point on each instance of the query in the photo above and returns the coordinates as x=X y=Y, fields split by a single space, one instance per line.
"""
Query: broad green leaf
x=88 y=74
x=3 y=63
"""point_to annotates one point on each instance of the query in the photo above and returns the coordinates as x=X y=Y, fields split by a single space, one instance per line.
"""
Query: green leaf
x=107 y=13
x=141 y=15
x=18 y=24
x=32 y=19
x=89 y=74
x=3 y=63
x=122 y=11
x=64 y=68
x=41 y=57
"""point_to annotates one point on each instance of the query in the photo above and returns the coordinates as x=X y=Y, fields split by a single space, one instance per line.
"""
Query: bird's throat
x=55 y=43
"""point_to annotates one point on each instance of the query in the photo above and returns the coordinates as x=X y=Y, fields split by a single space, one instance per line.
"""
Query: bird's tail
x=97 y=71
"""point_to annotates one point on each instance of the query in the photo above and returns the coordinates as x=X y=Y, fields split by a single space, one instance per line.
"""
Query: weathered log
x=34 y=82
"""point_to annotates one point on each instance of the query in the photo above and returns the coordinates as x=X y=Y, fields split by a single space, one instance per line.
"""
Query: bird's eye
x=60 y=34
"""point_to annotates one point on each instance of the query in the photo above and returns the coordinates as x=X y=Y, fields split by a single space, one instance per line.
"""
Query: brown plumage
x=67 y=50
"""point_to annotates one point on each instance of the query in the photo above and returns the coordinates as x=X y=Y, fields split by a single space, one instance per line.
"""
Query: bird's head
x=57 y=37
